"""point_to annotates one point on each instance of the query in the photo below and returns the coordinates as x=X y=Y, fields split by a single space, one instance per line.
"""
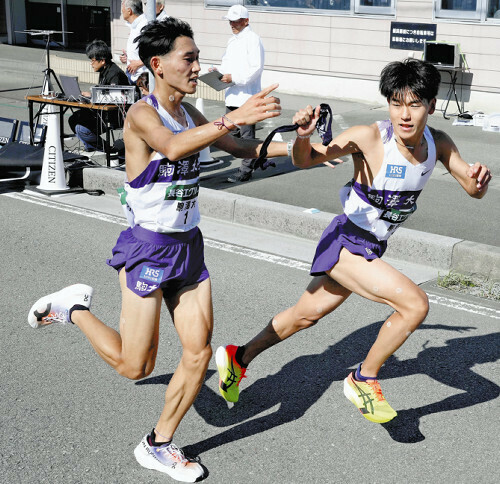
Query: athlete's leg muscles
x=132 y=351
x=322 y=296
x=378 y=281
x=192 y=313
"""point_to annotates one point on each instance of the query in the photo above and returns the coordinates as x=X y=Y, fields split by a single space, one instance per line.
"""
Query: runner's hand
x=257 y=108
x=306 y=119
x=481 y=173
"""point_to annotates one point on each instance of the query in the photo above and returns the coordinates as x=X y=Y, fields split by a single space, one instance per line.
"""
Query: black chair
x=23 y=134
x=20 y=161
x=8 y=127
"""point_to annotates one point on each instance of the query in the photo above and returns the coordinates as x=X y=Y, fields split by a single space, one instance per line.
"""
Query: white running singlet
x=164 y=197
x=383 y=207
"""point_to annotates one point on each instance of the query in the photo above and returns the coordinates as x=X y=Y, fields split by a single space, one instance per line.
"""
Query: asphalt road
x=65 y=417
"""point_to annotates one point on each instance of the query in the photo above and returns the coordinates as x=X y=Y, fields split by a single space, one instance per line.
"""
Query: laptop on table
x=71 y=89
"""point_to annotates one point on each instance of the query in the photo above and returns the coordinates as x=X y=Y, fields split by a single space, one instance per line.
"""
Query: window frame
x=297 y=10
x=478 y=15
x=221 y=3
x=373 y=10
x=439 y=14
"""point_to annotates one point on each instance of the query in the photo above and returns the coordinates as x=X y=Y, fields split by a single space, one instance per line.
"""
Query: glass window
x=494 y=9
x=469 y=5
x=384 y=7
x=444 y=9
x=464 y=9
x=377 y=7
x=302 y=4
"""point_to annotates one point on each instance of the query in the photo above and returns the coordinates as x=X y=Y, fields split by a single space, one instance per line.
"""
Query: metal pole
x=150 y=10
x=64 y=22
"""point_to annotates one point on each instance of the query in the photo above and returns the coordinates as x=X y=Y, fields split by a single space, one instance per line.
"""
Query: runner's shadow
x=451 y=365
x=294 y=389
x=302 y=381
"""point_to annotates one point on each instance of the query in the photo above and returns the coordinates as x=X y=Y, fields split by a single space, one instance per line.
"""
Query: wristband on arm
x=220 y=124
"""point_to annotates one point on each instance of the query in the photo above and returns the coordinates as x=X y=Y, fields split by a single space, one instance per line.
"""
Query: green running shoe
x=369 y=399
x=230 y=372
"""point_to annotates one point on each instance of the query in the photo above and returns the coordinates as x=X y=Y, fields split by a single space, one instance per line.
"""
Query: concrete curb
x=437 y=251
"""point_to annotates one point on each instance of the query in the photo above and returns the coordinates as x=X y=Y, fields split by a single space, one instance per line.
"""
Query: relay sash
x=323 y=127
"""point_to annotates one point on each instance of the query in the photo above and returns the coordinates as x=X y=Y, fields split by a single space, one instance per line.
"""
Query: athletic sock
x=239 y=355
x=153 y=442
x=359 y=377
x=77 y=307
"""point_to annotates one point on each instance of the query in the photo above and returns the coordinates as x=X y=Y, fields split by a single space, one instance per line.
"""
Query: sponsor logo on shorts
x=144 y=287
x=395 y=171
x=151 y=274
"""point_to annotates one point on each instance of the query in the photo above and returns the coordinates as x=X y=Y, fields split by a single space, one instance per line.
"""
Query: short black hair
x=99 y=50
x=418 y=77
x=158 y=38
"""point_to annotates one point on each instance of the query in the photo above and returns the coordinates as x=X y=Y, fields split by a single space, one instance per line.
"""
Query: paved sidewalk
x=459 y=233
x=439 y=252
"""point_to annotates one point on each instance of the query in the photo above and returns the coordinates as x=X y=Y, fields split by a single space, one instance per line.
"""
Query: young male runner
x=393 y=160
x=160 y=257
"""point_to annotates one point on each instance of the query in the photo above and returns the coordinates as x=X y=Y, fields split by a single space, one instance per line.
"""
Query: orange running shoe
x=230 y=372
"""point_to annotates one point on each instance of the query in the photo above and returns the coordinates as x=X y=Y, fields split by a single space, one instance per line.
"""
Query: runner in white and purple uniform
x=392 y=162
x=372 y=213
x=160 y=257
x=161 y=205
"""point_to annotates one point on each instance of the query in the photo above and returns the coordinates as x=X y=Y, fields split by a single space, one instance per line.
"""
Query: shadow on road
x=216 y=179
x=301 y=382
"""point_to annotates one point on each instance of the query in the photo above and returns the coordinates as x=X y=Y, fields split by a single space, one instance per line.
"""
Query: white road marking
x=463 y=306
x=37 y=200
x=340 y=121
x=235 y=249
x=255 y=254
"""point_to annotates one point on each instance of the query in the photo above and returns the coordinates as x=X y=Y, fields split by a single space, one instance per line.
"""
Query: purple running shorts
x=155 y=260
x=343 y=233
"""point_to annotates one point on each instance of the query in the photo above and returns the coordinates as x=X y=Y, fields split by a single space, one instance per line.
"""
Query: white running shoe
x=169 y=459
x=55 y=307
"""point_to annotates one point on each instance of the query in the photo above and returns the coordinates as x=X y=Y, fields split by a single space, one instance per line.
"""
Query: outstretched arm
x=306 y=154
x=146 y=125
x=473 y=178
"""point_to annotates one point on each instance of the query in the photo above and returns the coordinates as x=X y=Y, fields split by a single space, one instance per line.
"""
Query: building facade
x=334 y=48
x=338 y=47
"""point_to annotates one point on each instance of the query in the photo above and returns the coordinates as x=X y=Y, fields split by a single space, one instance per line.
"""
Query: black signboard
x=410 y=36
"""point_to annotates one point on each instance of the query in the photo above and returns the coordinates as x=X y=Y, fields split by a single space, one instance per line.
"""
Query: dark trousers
x=86 y=125
x=245 y=132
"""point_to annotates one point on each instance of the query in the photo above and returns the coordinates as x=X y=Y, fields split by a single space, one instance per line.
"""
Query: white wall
x=339 y=55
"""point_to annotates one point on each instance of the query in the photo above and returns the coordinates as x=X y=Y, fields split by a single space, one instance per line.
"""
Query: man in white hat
x=242 y=66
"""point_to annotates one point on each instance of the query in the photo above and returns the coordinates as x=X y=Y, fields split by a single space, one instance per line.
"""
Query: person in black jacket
x=86 y=123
